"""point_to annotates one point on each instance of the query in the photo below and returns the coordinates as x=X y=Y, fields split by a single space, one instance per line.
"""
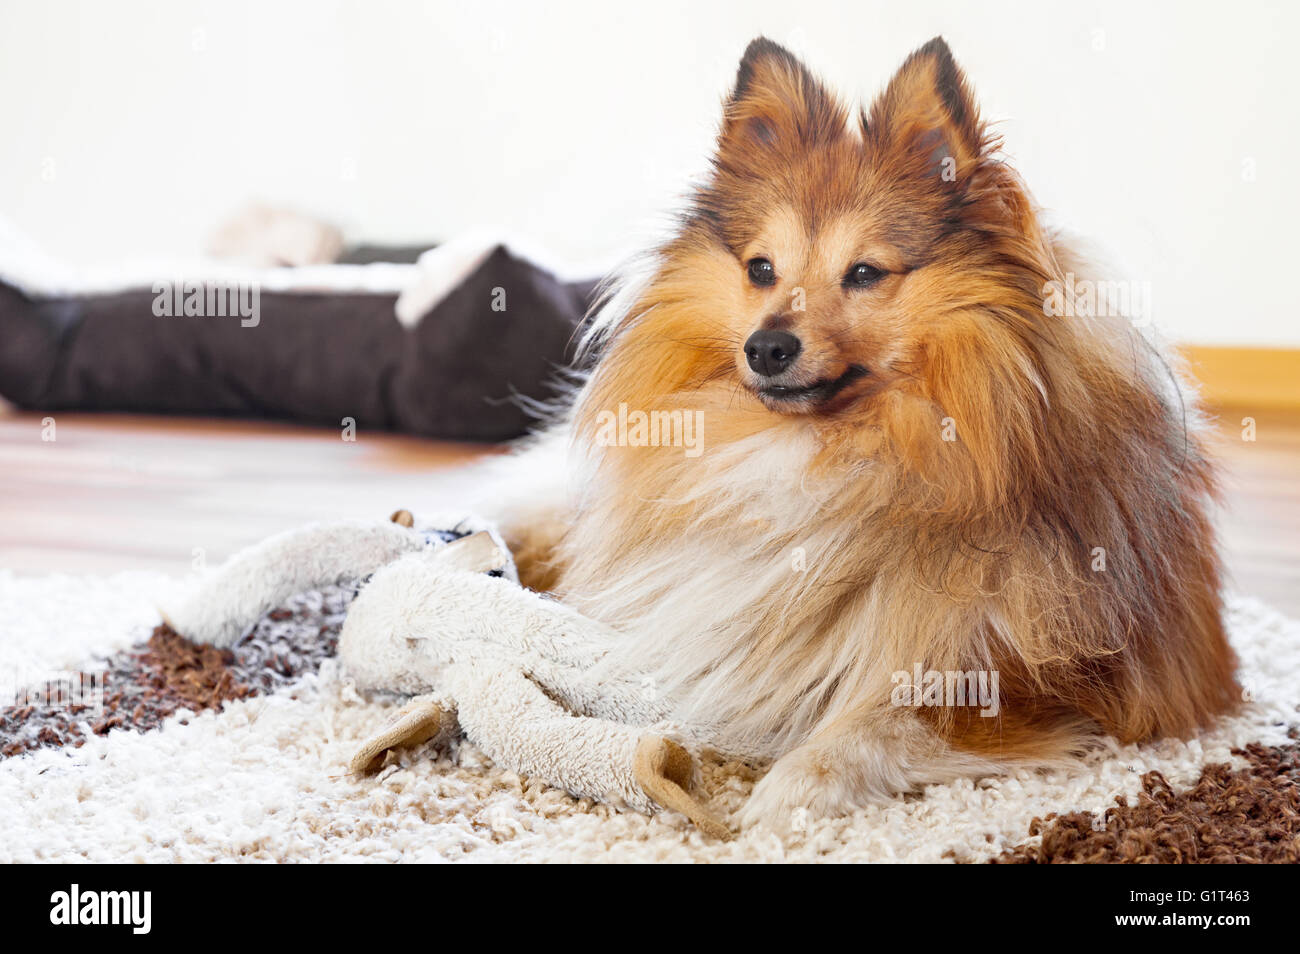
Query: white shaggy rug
x=263 y=779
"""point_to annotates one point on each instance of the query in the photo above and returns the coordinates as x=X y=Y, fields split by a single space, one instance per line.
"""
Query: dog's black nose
x=771 y=352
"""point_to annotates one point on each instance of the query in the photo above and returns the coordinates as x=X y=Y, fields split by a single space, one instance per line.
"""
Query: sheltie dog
x=909 y=466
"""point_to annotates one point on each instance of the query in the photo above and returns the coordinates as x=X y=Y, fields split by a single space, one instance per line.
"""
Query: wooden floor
x=117 y=492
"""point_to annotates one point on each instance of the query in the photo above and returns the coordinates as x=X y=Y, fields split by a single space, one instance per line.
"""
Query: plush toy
x=442 y=618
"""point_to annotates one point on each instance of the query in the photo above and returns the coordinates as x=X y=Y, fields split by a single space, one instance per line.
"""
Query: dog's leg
x=534 y=545
x=853 y=761
x=525 y=494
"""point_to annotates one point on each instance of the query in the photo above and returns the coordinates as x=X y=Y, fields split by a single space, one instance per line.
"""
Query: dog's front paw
x=801 y=786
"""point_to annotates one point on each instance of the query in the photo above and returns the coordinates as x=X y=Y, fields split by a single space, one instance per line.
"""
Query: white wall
x=130 y=129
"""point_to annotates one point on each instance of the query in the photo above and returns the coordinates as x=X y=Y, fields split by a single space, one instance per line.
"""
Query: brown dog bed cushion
x=317 y=350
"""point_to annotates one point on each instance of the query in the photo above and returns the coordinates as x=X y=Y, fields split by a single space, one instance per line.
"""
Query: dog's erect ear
x=778 y=102
x=928 y=115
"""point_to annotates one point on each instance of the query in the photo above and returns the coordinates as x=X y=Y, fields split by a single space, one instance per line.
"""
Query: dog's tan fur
x=973 y=553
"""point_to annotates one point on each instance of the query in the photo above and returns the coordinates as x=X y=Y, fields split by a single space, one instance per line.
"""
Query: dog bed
x=453 y=346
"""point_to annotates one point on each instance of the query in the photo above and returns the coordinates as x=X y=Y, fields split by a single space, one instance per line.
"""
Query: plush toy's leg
x=512 y=661
x=264 y=575
x=509 y=716
x=420 y=720
x=665 y=770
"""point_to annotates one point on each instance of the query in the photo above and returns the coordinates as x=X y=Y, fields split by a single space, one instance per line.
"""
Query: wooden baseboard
x=1246 y=377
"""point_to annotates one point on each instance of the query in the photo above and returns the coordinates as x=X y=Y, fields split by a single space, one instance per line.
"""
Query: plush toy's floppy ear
x=777 y=102
x=928 y=116
x=477 y=553
x=414 y=724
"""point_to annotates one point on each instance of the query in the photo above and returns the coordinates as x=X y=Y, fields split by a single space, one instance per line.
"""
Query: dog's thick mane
x=776 y=580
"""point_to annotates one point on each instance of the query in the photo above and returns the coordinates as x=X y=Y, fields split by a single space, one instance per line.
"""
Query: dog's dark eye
x=761 y=271
x=861 y=275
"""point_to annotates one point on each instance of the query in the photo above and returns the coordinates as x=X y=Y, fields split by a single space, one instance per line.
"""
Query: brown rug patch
x=1250 y=815
x=142 y=687
x=146 y=684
